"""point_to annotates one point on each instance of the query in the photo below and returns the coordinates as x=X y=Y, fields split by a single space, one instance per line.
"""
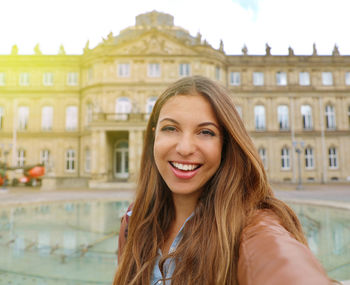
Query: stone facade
x=85 y=115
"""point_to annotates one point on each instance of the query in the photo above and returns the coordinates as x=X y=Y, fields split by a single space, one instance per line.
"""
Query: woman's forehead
x=193 y=105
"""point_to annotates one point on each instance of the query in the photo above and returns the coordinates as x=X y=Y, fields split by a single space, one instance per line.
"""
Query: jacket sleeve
x=122 y=238
x=270 y=255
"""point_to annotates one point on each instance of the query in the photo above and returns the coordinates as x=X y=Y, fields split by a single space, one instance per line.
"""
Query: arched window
x=46 y=118
x=71 y=118
x=263 y=155
x=122 y=108
x=21 y=157
x=306 y=113
x=239 y=110
x=285 y=158
x=309 y=158
x=70 y=160
x=330 y=117
x=121 y=160
x=332 y=158
x=149 y=106
x=23 y=116
x=283 y=117
x=45 y=157
x=259 y=114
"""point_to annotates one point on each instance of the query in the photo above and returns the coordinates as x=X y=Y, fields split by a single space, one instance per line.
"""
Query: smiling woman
x=204 y=212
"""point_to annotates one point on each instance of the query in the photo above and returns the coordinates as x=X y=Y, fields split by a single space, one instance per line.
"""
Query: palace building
x=84 y=116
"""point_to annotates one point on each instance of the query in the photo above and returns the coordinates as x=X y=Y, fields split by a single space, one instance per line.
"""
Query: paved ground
x=334 y=193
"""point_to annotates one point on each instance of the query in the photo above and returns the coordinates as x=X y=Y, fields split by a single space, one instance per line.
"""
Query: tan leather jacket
x=269 y=255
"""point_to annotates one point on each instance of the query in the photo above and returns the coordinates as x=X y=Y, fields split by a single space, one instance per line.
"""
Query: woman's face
x=188 y=144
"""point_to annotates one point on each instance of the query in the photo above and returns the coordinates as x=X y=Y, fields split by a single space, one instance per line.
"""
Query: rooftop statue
x=61 y=50
x=37 y=50
x=199 y=38
x=335 y=51
x=245 y=50
x=14 y=50
x=221 y=48
x=86 y=48
x=314 y=50
x=290 y=51
x=267 y=49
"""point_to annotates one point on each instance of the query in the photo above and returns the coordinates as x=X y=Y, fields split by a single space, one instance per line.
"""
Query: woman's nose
x=186 y=145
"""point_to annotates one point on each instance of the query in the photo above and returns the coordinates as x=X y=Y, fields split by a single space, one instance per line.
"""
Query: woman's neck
x=184 y=206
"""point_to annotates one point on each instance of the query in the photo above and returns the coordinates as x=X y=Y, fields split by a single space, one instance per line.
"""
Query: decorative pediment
x=155 y=44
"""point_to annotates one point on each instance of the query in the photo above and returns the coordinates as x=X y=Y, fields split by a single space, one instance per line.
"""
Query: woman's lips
x=183 y=174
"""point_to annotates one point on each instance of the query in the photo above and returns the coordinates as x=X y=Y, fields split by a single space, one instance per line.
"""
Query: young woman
x=204 y=212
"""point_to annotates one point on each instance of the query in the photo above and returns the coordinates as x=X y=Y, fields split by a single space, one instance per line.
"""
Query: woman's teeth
x=184 y=167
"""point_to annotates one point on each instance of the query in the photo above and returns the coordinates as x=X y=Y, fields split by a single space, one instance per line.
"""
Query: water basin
x=76 y=243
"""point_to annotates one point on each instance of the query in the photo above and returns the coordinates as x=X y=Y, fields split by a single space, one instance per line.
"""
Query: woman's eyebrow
x=208 y=124
x=169 y=119
x=200 y=125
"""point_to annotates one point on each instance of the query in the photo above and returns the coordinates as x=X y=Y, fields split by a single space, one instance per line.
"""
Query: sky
x=280 y=23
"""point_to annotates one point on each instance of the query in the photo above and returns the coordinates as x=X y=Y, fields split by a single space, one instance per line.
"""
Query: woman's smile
x=188 y=143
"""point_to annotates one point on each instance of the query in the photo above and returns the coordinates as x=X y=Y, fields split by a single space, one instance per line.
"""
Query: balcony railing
x=121 y=117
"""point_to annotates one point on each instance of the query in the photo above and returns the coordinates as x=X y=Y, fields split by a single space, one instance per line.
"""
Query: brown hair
x=208 y=251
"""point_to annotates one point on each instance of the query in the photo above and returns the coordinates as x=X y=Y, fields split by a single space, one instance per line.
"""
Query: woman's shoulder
x=269 y=254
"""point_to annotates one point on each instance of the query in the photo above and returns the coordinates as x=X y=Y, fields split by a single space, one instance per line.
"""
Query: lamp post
x=299 y=146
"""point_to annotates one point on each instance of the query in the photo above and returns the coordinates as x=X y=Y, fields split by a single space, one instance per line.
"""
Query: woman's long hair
x=208 y=251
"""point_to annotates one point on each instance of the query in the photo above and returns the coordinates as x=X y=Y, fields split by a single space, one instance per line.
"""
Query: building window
x=72 y=78
x=217 y=72
x=123 y=70
x=285 y=158
x=121 y=160
x=149 y=105
x=258 y=78
x=2 y=78
x=239 y=110
x=122 y=108
x=304 y=78
x=349 y=116
x=71 y=118
x=332 y=158
x=24 y=79
x=281 y=78
x=306 y=113
x=347 y=78
x=1 y=117
x=309 y=158
x=46 y=118
x=263 y=156
x=48 y=79
x=45 y=157
x=259 y=114
x=184 y=69
x=21 y=157
x=235 y=78
x=330 y=117
x=283 y=117
x=88 y=114
x=87 y=160
x=154 y=70
x=327 y=78
x=23 y=115
x=70 y=160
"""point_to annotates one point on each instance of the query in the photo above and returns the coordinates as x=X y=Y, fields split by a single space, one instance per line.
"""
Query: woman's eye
x=207 y=133
x=168 y=129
